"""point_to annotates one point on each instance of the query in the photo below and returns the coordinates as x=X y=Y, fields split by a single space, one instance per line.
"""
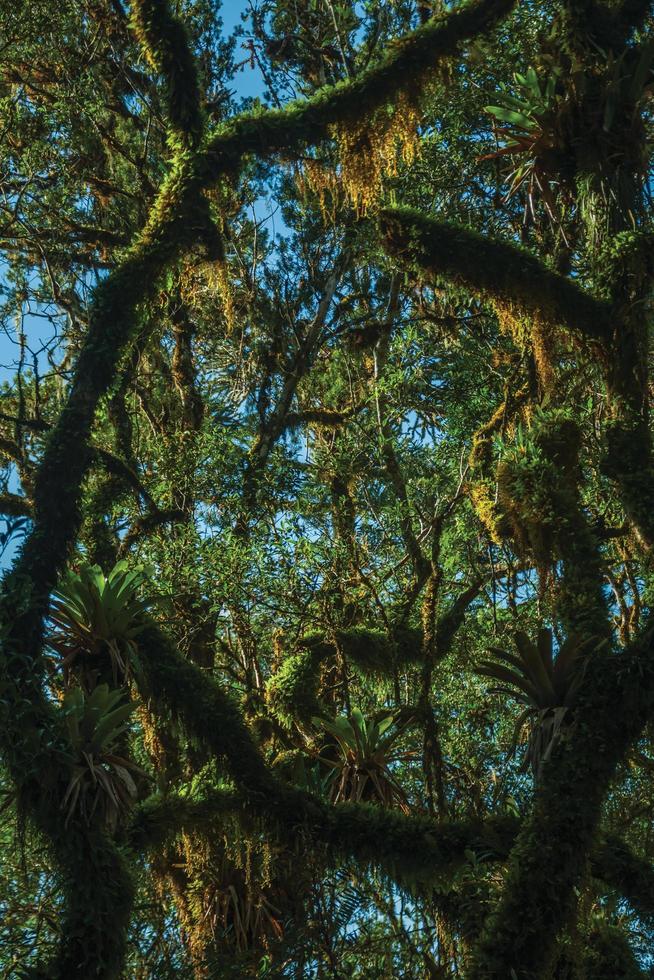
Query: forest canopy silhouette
x=327 y=490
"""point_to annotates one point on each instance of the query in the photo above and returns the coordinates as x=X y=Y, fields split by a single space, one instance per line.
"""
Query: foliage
x=526 y=109
x=96 y=616
x=102 y=781
x=362 y=772
x=548 y=685
x=337 y=320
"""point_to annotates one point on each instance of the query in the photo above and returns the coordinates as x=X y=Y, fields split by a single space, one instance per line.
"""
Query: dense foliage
x=328 y=483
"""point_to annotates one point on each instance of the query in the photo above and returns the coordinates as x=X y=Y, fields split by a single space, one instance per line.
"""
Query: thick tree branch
x=498 y=270
x=304 y=123
x=166 y=46
x=32 y=740
x=550 y=855
x=15 y=506
x=342 y=827
x=293 y=691
x=630 y=876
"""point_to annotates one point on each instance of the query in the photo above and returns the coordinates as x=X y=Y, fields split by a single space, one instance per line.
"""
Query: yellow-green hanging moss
x=408 y=63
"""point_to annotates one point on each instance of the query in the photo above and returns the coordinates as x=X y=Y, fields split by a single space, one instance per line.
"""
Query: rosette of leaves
x=95 y=616
x=365 y=749
x=103 y=779
x=526 y=115
x=546 y=684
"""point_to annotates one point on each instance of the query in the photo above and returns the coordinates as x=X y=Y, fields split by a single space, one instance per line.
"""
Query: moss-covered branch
x=165 y=44
x=628 y=875
x=498 y=270
x=159 y=819
x=307 y=122
x=625 y=274
x=30 y=735
x=443 y=845
x=99 y=891
x=551 y=854
x=15 y=506
x=293 y=691
x=31 y=741
x=409 y=848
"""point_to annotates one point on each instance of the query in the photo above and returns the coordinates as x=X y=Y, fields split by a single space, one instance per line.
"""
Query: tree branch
x=549 y=858
x=307 y=122
x=498 y=270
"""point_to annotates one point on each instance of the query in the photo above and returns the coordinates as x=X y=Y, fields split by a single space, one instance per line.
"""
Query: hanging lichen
x=372 y=148
x=530 y=332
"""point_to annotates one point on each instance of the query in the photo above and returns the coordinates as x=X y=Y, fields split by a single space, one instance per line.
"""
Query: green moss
x=628 y=461
x=630 y=876
x=160 y=819
x=499 y=270
x=608 y=956
x=550 y=858
x=99 y=892
x=623 y=266
x=31 y=736
x=292 y=692
x=166 y=46
x=537 y=506
x=407 y=64
x=410 y=848
x=376 y=653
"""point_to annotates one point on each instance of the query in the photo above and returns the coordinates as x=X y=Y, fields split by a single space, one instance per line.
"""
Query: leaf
x=641 y=71
x=510 y=677
x=511 y=116
x=544 y=643
x=535 y=669
x=385 y=723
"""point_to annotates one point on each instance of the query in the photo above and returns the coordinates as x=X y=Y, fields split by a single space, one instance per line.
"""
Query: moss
x=483 y=489
x=629 y=875
x=31 y=738
x=623 y=266
x=608 y=955
x=99 y=893
x=159 y=819
x=374 y=652
x=15 y=506
x=292 y=692
x=483 y=495
x=165 y=43
x=301 y=123
x=498 y=270
x=537 y=506
x=628 y=461
x=410 y=848
x=379 y=654
x=199 y=703
x=553 y=848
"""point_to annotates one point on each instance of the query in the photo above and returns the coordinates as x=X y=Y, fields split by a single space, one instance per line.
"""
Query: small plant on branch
x=96 y=616
x=365 y=750
x=102 y=780
x=546 y=684
x=527 y=114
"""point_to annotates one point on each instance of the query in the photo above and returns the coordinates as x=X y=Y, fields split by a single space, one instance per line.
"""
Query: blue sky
x=38 y=330
x=247 y=83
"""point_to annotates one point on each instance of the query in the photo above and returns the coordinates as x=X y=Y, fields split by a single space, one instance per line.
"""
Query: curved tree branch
x=499 y=270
